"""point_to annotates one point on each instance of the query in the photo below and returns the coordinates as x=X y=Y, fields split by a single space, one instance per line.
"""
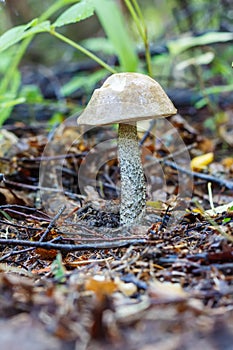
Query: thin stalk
x=13 y=65
x=210 y=196
x=83 y=50
x=137 y=16
x=148 y=55
x=139 y=12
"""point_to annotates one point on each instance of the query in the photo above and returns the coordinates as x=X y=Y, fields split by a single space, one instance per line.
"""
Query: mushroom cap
x=125 y=98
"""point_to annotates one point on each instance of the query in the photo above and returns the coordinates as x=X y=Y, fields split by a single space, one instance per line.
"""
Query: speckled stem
x=133 y=188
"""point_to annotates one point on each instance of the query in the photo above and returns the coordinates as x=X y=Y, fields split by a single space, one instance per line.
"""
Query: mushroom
x=126 y=98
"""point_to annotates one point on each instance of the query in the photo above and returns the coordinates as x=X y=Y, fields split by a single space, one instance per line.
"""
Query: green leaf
x=6 y=215
x=6 y=58
x=31 y=93
x=100 y=44
x=217 y=89
x=58 y=269
x=83 y=82
x=226 y=220
x=201 y=104
x=16 y=34
x=75 y=13
x=56 y=119
x=13 y=35
x=177 y=46
x=38 y=28
x=202 y=59
x=10 y=100
x=12 y=103
x=210 y=91
x=114 y=26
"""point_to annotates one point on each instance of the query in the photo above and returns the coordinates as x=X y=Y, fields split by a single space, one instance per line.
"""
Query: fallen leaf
x=166 y=290
x=46 y=254
x=7 y=140
x=100 y=286
x=200 y=162
x=206 y=145
x=228 y=162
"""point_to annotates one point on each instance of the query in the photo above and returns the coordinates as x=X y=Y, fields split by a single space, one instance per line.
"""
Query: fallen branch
x=222 y=182
x=73 y=247
x=52 y=223
x=24 y=211
x=44 y=235
x=8 y=183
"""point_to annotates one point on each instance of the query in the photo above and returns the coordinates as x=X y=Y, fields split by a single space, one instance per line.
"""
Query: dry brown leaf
x=7 y=140
x=228 y=163
x=100 y=286
x=46 y=254
x=8 y=196
x=206 y=145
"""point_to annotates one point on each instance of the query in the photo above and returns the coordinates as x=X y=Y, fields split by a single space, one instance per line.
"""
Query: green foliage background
x=69 y=30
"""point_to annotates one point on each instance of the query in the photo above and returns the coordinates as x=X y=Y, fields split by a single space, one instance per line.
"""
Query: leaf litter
x=72 y=278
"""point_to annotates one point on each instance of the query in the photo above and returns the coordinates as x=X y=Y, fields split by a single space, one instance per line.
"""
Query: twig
x=222 y=182
x=52 y=223
x=40 y=188
x=23 y=207
x=48 y=229
x=8 y=223
x=147 y=133
x=164 y=220
x=74 y=247
x=15 y=252
x=20 y=210
x=21 y=251
x=170 y=156
x=51 y=158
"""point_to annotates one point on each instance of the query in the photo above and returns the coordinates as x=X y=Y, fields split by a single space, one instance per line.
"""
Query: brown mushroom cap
x=127 y=97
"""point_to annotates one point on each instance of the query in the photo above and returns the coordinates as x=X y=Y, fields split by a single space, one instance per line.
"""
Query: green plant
x=138 y=18
x=58 y=269
x=227 y=219
x=187 y=56
x=111 y=20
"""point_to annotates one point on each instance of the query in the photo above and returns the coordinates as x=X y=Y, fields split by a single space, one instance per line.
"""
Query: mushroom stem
x=133 y=188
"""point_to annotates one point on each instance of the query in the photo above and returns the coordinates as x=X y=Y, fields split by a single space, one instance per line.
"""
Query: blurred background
x=190 y=44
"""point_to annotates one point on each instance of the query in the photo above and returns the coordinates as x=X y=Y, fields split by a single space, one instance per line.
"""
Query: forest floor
x=72 y=278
